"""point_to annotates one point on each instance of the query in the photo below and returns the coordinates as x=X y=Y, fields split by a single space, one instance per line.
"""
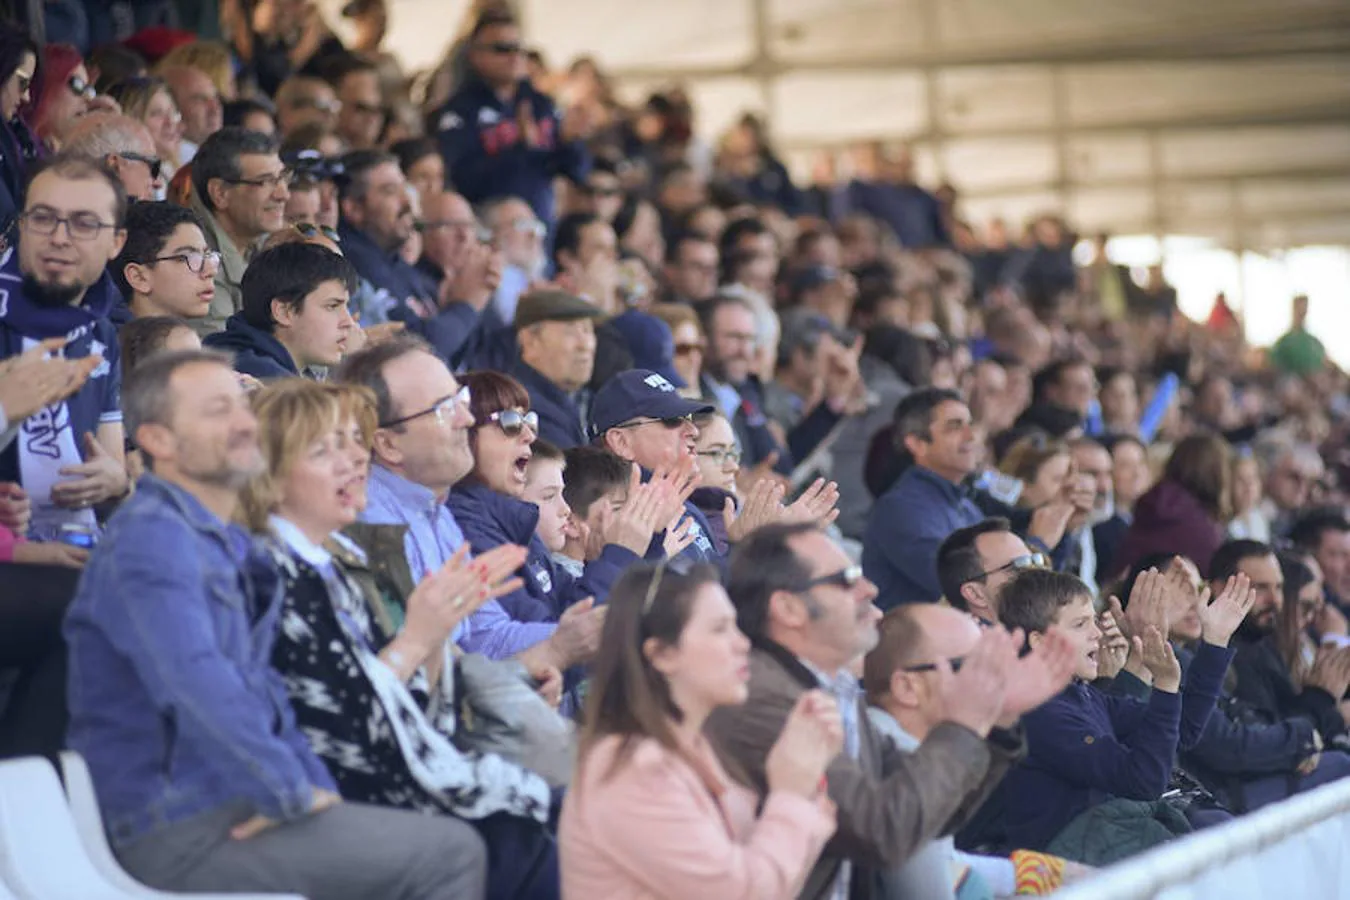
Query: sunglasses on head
x=513 y=421
x=310 y=230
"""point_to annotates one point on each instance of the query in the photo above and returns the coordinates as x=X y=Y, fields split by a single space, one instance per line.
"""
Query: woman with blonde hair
x=376 y=685
x=652 y=813
x=150 y=101
x=1042 y=464
x=210 y=57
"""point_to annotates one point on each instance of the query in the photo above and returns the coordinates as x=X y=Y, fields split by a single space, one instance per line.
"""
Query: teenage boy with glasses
x=166 y=267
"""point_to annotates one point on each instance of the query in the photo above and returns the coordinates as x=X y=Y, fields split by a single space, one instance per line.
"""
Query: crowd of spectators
x=364 y=432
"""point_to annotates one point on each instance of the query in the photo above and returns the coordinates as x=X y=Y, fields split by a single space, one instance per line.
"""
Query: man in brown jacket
x=808 y=611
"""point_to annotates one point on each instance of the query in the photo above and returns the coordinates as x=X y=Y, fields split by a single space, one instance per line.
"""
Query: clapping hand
x=974 y=696
x=811 y=738
x=819 y=504
x=763 y=505
x=1160 y=660
x=1033 y=679
x=1218 y=620
x=1148 y=606
x=1114 y=648
x=454 y=592
x=100 y=477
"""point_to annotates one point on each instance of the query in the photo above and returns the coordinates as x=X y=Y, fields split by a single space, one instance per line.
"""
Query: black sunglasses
x=1017 y=564
x=503 y=47
x=845 y=578
x=932 y=667
x=671 y=422
x=155 y=164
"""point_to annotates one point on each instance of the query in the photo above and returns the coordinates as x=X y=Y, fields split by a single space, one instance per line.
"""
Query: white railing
x=1293 y=850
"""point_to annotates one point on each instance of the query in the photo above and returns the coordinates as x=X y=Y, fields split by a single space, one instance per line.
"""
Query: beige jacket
x=890 y=804
x=229 y=298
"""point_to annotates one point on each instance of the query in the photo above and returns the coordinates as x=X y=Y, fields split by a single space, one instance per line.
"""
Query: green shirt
x=1298 y=353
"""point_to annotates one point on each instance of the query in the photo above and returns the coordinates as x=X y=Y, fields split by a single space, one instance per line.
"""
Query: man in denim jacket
x=204 y=780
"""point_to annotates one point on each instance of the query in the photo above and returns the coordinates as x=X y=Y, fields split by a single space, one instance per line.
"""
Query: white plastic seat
x=89 y=824
x=41 y=856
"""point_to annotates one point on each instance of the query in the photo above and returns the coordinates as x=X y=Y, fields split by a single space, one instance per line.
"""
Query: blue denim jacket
x=172 y=700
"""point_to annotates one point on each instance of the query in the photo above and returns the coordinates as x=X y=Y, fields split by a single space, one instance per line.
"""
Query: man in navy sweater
x=502 y=138
x=1087 y=747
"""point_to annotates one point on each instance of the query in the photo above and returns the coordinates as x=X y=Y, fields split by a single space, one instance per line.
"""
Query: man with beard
x=204 y=779
x=68 y=457
x=239 y=191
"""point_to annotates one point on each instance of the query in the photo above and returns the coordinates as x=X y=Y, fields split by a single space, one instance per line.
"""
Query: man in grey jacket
x=809 y=614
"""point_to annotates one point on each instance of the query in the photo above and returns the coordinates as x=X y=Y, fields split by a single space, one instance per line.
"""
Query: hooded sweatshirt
x=1169 y=519
x=256 y=352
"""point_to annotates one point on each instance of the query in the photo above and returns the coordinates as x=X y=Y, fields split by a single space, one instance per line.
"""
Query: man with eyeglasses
x=127 y=148
x=302 y=99
x=199 y=102
x=502 y=138
x=457 y=257
x=239 y=191
x=975 y=561
x=691 y=268
x=810 y=615
x=360 y=112
x=640 y=416
x=294 y=320
x=519 y=235
x=166 y=267
x=68 y=457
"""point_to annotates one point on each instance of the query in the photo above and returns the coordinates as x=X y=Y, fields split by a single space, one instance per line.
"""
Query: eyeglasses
x=722 y=457
x=195 y=260
x=310 y=230
x=529 y=226
x=845 y=578
x=81 y=88
x=503 y=48
x=686 y=349
x=671 y=422
x=1016 y=564
x=81 y=226
x=271 y=182
x=442 y=409
x=154 y=163
x=932 y=667
x=513 y=421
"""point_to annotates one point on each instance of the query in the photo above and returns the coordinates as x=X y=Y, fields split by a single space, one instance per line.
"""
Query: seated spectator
x=1087 y=747
x=499 y=136
x=1130 y=479
x=18 y=69
x=358 y=690
x=1118 y=393
x=361 y=111
x=596 y=481
x=652 y=811
x=488 y=504
x=64 y=94
x=1325 y=533
x=809 y=615
x=904 y=705
x=166 y=267
x=730 y=379
x=556 y=335
x=420 y=452
x=294 y=317
x=315 y=168
x=640 y=416
x=240 y=188
x=544 y=487
x=420 y=160
x=161 y=636
x=974 y=562
x=68 y=456
x=199 y=101
x=1068 y=384
x=455 y=258
x=1264 y=680
x=1248 y=520
x=302 y=100
x=1185 y=511
x=886 y=191
x=127 y=148
x=690 y=346
x=1040 y=464
x=1292 y=470
x=519 y=236
x=252 y=114
x=809 y=347
x=690 y=270
x=910 y=521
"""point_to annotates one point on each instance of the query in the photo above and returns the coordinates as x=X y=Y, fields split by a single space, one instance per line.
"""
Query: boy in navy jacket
x=499 y=136
x=1086 y=746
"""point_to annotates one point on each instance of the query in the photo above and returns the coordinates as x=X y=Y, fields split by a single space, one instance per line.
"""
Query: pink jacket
x=8 y=541
x=657 y=829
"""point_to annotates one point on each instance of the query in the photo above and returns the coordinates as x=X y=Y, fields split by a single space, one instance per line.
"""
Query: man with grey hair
x=519 y=235
x=1292 y=471
x=239 y=191
x=126 y=146
x=204 y=779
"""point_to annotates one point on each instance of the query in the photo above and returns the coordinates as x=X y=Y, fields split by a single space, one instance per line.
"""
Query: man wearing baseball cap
x=640 y=416
x=556 y=335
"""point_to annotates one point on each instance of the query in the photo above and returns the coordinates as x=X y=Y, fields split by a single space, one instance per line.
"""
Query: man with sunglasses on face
x=810 y=616
x=68 y=456
x=501 y=137
x=975 y=561
x=127 y=148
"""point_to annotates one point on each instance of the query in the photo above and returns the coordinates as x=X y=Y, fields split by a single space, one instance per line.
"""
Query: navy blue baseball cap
x=651 y=343
x=637 y=394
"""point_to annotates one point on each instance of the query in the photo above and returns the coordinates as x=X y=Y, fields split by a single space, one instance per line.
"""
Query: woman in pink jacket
x=651 y=812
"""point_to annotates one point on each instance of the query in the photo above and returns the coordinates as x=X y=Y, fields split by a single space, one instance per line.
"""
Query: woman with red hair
x=62 y=92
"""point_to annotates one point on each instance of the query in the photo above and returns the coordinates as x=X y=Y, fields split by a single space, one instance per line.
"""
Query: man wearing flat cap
x=556 y=334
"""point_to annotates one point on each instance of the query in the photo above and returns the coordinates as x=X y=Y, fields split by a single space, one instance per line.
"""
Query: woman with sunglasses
x=378 y=700
x=652 y=813
x=18 y=145
x=489 y=508
x=65 y=94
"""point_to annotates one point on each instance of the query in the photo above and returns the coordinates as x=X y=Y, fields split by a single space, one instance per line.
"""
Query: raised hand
x=1114 y=648
x=32 y=381
x=811 y=738
x=974 y=696
x=1330 y=671
x=635 y=523
x=100 y=477
x=763 y=505
x=1218 y=620
x=1033 y=679
x=819 y=504
x=577 y=637
x=472 y=281
x=1148 y=606
x=1049 y=522
x=454 y=592
x=676 y=484
x=1160 y=660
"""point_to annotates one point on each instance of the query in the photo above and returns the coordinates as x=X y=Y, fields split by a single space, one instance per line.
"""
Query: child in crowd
x=1087 y=747
x=544 y=488
x=594 y=479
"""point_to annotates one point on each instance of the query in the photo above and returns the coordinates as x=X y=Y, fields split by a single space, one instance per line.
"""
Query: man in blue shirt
x=420 y=451
x=502 y=138
x=204 y=780
x=68 y=455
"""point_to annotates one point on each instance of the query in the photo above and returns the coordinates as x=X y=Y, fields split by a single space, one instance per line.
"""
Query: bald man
x=125 y=145
x=199 y=102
